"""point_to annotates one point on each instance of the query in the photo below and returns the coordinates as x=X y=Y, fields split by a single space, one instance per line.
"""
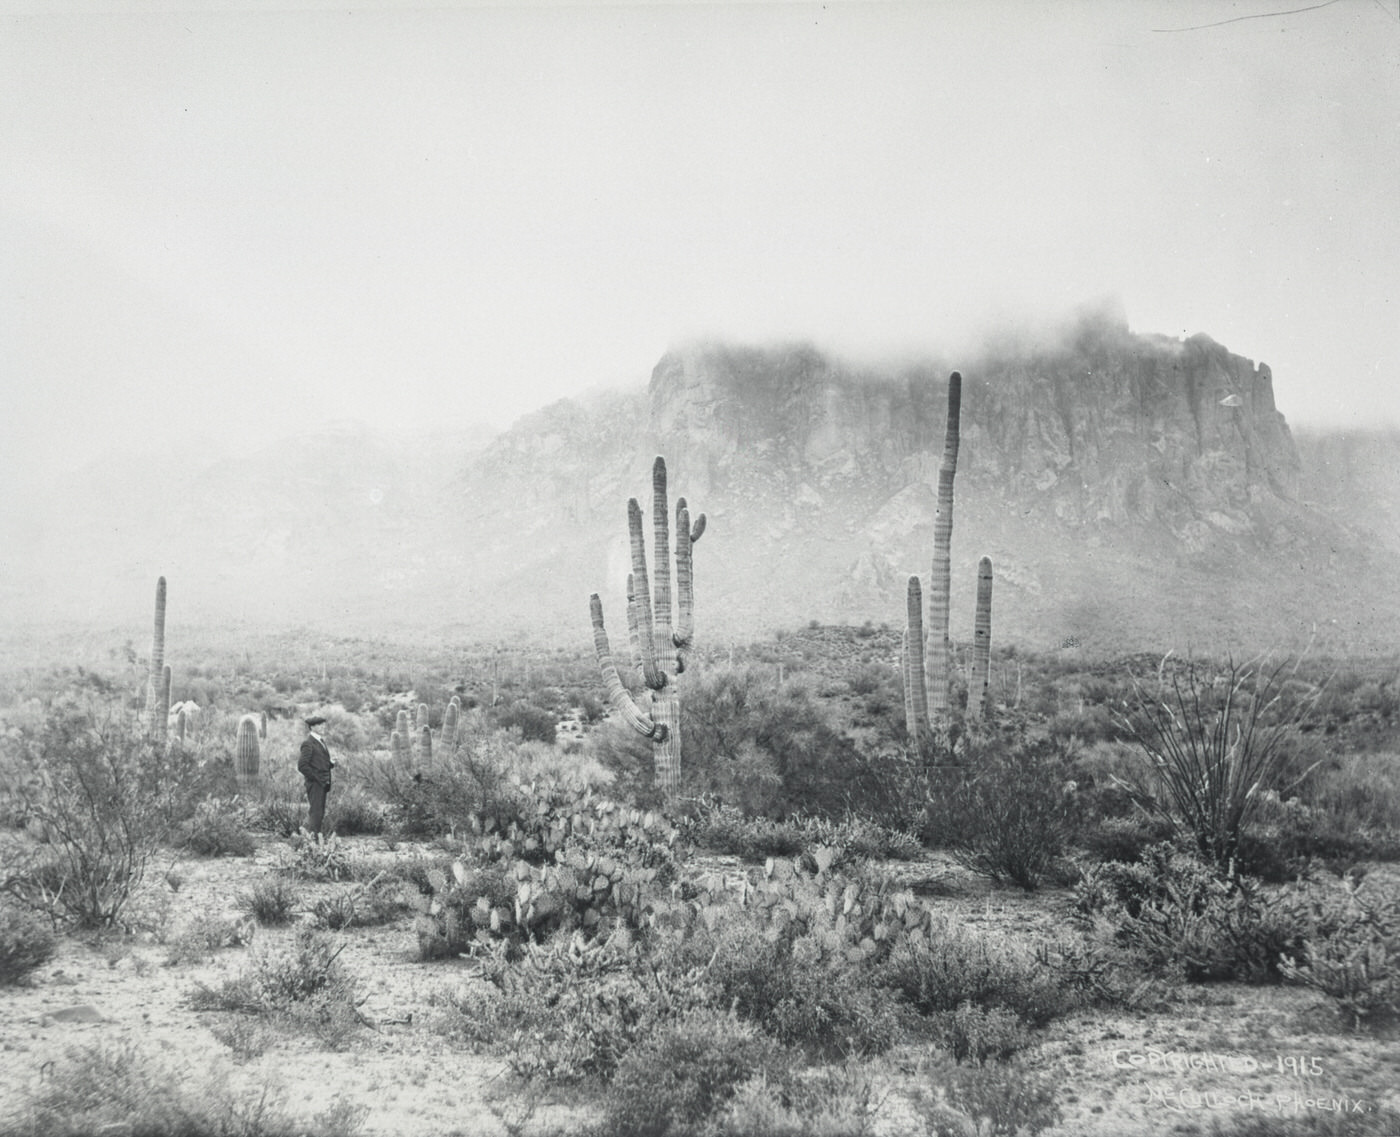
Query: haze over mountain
x=1135 y=492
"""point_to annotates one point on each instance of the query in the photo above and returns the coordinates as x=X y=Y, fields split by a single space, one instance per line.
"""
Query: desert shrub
x=209 y=931
x=1175 y=913
x=281 y=814
x=1124 y=839
x=352 y=812
x=979 y=1034
x=572 y=1009
x=1009 y=811
x=103 y=795
x=1213 y=741
x=271 y=901
x=836 y=1103
x=217 y=830
x=1351 y=949
x=684 y=1072
x=725 y=829
x=309 y=859
x=26 y=944
x=302 y=983
x=534 y=723
x=117 y=1087
x=369 y=905
x=460 y=783
x=764 y=748
x=802 y=989
x=1382 y=1121
x=996 y=1100
x=951 y=967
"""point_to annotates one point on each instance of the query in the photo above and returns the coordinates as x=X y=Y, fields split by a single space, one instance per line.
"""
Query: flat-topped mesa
x=659 y=646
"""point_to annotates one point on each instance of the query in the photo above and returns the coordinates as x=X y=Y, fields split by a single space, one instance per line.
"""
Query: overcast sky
x=224 y=222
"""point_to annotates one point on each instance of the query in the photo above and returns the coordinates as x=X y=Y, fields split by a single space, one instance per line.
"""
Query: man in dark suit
x=315 y=766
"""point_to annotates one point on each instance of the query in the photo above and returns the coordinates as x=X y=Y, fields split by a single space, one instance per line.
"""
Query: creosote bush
x=686 y=1070
x=26 y=944
x=104 y=797
x=117 y=1087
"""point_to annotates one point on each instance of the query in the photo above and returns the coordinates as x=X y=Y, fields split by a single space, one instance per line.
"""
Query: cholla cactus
x=248 y=754
x=658 y=648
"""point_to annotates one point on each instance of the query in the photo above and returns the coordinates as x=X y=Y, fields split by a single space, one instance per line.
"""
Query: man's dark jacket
x=315 y=762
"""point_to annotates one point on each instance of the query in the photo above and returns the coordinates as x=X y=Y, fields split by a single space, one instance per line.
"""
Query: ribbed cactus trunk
x=155 y=721
x=399 y=749
x=981 y=642
x=401 y=725
x=421 y=723
x=425 y=745
x=247 y=753
x=449 y=724
x=181 y=723
x=939 y=648
x=161 y=718
x=659 y=646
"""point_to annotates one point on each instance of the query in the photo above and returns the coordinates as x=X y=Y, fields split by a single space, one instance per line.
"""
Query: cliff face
x=1107 y=429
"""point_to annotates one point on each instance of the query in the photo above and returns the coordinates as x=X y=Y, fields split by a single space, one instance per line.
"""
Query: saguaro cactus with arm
x=927 y=664
x=659 y=647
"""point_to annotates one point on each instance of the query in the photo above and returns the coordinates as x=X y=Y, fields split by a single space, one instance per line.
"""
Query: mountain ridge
x=1134 y=492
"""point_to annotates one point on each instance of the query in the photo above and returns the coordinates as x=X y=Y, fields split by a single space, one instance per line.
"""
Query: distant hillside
x=1135 y=492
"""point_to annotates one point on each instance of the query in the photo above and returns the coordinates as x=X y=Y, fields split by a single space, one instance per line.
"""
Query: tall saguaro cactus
x=658 y=646
x=981 y=641
x=927 y=663
x=155 y=719
x=939 y=646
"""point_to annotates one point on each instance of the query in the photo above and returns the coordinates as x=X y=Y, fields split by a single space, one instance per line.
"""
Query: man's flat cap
x=314 y=720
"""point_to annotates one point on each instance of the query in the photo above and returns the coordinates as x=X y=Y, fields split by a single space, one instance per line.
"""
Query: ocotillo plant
x=981 y=641
x=155 y=721
x=248 y=754
x=659 y=648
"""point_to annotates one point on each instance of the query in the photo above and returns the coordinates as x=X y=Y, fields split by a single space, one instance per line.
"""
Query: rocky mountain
x=1133 y=491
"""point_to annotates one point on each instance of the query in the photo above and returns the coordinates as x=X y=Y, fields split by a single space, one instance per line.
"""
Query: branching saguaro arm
x=658 y=642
